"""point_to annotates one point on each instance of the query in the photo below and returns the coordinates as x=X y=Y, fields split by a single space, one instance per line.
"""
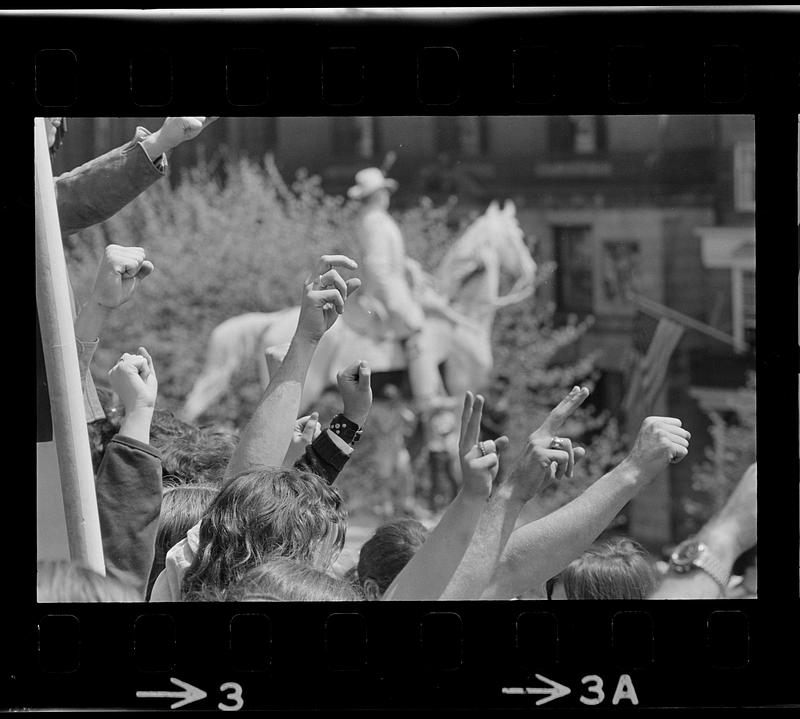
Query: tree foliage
x=226 y=243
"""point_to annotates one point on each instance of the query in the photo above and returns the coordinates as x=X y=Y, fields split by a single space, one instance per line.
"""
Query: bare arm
x=430 y=570
x=534 y=465
x=726 y=535
x=541 y=549
x=267 y=436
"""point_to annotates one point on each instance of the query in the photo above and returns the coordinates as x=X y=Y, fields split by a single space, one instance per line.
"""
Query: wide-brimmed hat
x=368 y=181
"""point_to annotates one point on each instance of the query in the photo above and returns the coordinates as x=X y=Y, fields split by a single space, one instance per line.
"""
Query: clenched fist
x=661 y=441
x=116 y=278
x=173 y=132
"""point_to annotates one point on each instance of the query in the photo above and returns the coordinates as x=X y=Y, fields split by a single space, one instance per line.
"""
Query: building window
x=577 y=134
x=462 y=136
x=744 y=176
x=574 y=252
x=355 y=137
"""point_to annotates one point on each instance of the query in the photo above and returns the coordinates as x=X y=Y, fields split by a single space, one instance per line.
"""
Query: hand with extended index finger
x=547 y=434
x=546 y=455
x=325 y=293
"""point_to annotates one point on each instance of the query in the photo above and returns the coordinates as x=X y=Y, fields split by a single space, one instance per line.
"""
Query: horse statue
x=459 y=317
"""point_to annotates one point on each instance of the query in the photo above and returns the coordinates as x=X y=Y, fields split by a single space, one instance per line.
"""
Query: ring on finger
x=482 y=448
x=557 y=443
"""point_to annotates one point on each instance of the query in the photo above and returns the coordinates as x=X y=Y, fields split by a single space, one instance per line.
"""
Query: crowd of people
x=190 y=513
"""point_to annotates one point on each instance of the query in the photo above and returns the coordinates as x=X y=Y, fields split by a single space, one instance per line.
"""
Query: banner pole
x=54 y=307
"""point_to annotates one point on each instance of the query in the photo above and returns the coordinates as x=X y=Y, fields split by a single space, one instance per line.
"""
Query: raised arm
x=541 y=549
x=128 y=482
x=117 y=276
x=268 y=435
x=98 y=189
x=544 y=455
x=723 y=538
x=428 y=573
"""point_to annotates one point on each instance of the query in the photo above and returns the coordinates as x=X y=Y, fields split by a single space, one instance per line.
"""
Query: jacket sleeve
x=95 y=191
x=128 y=487
x=324 y=458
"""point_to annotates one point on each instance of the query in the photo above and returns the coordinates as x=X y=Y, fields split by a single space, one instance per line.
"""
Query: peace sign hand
x=479 y=460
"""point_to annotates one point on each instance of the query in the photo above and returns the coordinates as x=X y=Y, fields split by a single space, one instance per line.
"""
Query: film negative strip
x=619 y=148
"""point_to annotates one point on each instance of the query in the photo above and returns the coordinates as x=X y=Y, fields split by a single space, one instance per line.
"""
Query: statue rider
x=384 y=274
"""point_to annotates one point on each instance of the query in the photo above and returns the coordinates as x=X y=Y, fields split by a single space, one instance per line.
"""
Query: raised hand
x=738 y=518
x=660 y=441
x=324 y=296
x=176 y=130
x=545 y=454
x=133 y=378
x=117 y=275
x=356 y=390
x=306 y=430
x=479 y=461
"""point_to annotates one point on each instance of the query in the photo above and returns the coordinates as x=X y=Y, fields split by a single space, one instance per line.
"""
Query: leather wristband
x=348 y=430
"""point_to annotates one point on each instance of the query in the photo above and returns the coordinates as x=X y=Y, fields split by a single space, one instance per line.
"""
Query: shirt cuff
x=331 y=451
x=160 y=163
x=136 y=444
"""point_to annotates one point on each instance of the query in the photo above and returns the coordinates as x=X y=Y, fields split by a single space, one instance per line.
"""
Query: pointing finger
x=563 y=410
x=327 y=261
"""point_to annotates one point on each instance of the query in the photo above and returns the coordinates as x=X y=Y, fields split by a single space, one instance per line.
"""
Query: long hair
x=63 y=581
x=266 y=513
x=384 y=555
x=616 y=569
x=182 y=507
x=289 y=580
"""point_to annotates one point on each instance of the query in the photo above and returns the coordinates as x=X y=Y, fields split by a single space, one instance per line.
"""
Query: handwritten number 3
x=234 y=694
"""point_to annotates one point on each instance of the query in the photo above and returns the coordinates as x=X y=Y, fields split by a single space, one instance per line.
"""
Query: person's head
x=615 y=569
x=384 y=555
x=182 y=506
x=262 y=514
x=196 y=456
x=372 y=188
x=56 y=129
x=64 y=581
x=290 y=580
x=165 y=426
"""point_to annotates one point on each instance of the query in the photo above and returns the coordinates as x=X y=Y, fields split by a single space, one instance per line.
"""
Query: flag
x=649 y=372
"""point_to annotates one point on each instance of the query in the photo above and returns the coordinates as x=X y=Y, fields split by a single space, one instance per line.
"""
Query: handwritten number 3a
x=234 y=694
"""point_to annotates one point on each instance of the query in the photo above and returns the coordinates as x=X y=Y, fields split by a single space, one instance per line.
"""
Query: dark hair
x=165 y=426
x=385 y=554
x=197 y=457
x=64 y=581
x=289 y=580
x=102 y=431
x=191 y=454
x=182 y=507
x=265 y=513
x=616 y=569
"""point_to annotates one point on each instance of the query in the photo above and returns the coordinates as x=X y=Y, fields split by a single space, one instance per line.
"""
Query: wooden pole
x=61 y=362
x=657 y=310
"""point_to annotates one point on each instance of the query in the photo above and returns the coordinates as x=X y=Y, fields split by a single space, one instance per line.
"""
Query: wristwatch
x=691 y=554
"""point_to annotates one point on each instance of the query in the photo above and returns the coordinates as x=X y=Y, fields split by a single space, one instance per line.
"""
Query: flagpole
x=63 y=375
x=657 y=310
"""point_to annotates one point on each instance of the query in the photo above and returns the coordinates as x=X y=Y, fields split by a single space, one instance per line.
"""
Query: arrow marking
x=187 y=696
x=555 y=690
